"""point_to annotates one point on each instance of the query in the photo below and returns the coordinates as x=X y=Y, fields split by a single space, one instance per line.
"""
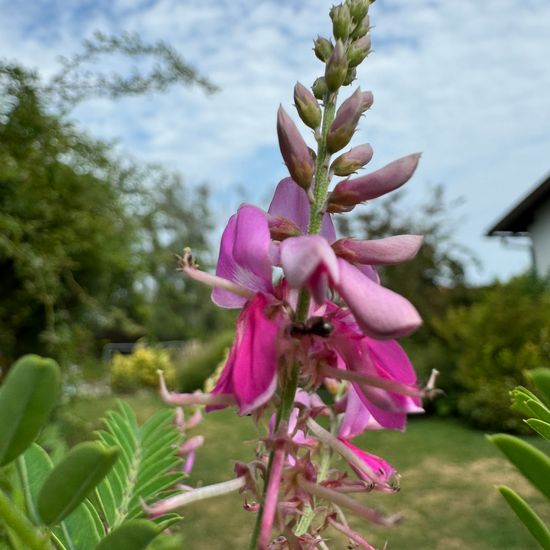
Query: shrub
x=139 y=369
x=492 y=342
x=196 y=363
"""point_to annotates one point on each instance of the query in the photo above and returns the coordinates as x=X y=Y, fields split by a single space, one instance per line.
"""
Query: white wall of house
x=540 y=235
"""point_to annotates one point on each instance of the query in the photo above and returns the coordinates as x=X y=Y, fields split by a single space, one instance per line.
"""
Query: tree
x=87 y=240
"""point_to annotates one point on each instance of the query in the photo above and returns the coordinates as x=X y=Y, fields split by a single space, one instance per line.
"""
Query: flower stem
x=21 y=526
x=320 y=188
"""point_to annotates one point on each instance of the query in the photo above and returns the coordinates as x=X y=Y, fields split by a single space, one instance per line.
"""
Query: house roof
x=520 y=217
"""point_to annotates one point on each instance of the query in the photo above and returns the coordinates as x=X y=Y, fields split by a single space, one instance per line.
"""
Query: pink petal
x=351 y=192
x=391 y=250
x=310 y=262
x=245 y=256
x=357 y=417
x=379 y=312
x=388 y=409
x=291 y=202
x=383 y=469
x=254 y=357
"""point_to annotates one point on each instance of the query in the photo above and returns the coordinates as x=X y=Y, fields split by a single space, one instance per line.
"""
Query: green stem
x=12 y=517
x=290 y=385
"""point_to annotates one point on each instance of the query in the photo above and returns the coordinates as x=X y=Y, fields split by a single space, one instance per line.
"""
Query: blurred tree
x=88 y=239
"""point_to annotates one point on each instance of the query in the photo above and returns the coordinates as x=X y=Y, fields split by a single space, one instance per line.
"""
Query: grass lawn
x=447 y=491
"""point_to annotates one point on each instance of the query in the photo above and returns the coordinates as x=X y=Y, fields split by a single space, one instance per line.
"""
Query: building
x=530 y=217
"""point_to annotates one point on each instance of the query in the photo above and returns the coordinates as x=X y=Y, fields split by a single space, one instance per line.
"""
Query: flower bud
x=322 y=48
x=307 y=106
x=344 y=125
x=358 y=9
x=353 y=160
x=351 y=75
x=281 y=228
x=358 y=50
x=388 y=251
x=320 y=88
x=350 y=192
x=337 y=67
x=361 y=29
x=341 y=21
x=294 y=150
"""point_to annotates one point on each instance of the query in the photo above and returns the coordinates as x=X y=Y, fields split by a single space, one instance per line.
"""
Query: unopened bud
x=294 y=150
x=351 y=75
x=350 y=192
x=344 y=124
x=322 y=48
x=320 y=88
x=361 y=29
x=337 y=67
x=281 y=228
x=353 y=160
x=341 y=21
x=358 y=50
x=307 y=106
x=358 y=9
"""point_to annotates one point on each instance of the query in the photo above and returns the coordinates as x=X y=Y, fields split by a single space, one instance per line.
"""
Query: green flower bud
x=353 y=160
x=320 y=88
x=307 y=106
x=341 y=21
x=337 y=67
x=350 y=76
x=358 y=50
x=322 y=48
x=361 y=29
x=358 y=9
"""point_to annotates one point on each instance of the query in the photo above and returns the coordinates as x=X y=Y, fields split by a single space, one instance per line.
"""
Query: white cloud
x=465 y=82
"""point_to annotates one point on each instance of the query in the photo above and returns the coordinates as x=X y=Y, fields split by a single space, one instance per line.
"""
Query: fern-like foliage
x=531 y=462
x=147 y=470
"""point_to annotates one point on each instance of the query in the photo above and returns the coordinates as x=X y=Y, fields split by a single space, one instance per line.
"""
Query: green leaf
x=538 y=409
x=541 y=379
x=34 y=466
x=82 y=529
x=27 y=397
x=531 y=462
x=133 y=535
x=520 y=396
x=147 y=468
x=73 y=479
x=527 y=515
x=543 y=428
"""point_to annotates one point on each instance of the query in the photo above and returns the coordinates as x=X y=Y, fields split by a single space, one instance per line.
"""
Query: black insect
x=314 y=326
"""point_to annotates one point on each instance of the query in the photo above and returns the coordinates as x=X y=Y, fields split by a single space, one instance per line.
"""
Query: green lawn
x=447 y=495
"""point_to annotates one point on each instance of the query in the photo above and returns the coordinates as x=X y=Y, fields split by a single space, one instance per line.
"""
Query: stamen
x=183 y=499
x=189 y=267
x=196 y=398
x=375 y=381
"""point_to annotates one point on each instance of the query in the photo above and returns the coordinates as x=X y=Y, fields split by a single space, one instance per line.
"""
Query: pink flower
x=266 y=329
x=310 y=261
x=384 y=471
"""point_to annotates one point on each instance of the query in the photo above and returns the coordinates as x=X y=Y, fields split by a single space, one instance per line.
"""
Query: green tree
x=87 y=239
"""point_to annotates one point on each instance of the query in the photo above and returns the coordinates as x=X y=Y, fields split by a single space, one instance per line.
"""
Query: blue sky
x=465 y=82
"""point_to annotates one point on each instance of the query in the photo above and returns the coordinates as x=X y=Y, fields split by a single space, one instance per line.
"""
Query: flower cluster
x=315 y=344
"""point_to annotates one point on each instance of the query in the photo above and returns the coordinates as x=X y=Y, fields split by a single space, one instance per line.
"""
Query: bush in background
x=139 y=369
x=196 y=363
x=491 y=342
